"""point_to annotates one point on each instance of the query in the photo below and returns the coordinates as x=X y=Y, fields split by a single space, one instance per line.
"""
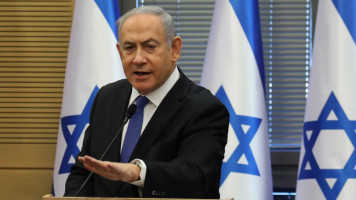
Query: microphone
x=130 y=112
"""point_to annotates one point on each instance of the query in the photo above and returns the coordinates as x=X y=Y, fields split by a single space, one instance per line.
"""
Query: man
x=184 y=132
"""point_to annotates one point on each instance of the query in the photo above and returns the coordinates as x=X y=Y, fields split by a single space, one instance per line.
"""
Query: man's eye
x=150 y=46
x=129 y=48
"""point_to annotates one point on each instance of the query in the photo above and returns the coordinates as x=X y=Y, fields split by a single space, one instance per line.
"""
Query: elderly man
x=182 y=127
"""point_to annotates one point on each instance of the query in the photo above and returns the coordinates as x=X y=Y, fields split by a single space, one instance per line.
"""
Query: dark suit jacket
x=182 y=145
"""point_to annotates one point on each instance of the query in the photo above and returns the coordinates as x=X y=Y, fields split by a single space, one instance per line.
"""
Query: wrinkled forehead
x=142 y=19
x=140 y=25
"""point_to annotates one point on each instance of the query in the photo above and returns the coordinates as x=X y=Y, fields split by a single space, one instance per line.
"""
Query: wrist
x=139 y=180
x=138 y=167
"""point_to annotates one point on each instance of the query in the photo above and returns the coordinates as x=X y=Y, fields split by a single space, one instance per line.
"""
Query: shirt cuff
x=141 y=181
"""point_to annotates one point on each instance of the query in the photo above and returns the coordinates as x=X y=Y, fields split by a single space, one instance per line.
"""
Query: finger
x=105 y=169
x=100 y=165
x=97 y=170
x=94 y=162
x=90 y=168
x=96 y=165
x=106 y=173
x=84 y=159
x=81 y=159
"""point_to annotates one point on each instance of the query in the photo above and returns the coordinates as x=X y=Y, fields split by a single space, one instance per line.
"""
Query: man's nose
x=139 y=57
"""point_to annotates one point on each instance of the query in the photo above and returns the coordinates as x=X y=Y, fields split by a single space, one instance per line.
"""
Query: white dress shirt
x=155 y=98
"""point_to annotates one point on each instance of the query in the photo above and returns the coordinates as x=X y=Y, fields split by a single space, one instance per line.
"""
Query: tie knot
x=141 y=102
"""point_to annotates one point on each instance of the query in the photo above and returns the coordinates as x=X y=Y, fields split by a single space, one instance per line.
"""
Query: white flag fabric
x=92 y=62
x=327 y=164
x=233 y=71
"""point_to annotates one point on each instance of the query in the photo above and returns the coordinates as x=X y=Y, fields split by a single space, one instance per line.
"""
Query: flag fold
x=327 y=164
x=92 y=62
x=233 y=71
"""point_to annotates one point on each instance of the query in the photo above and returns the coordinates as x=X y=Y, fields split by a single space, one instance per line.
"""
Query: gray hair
x=166 y=19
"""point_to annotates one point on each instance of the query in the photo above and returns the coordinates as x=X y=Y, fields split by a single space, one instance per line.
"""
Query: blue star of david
x=243 y=148
x=342 y=122
x=80 y=121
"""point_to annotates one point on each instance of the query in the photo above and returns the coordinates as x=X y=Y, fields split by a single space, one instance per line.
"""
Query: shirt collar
x=156 y=97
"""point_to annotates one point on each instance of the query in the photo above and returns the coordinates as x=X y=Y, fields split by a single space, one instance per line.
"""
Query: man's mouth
x=141 y=73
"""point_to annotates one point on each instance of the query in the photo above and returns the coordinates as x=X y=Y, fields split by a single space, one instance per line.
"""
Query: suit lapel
x=119 y=108
x=170 y=105
x=119 y=104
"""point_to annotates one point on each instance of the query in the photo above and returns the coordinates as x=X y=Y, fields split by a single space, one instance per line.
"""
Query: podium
x=50 y=197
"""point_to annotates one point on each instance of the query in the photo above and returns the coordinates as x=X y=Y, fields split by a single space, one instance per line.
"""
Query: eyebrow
x=144 y=42
x=150 y=40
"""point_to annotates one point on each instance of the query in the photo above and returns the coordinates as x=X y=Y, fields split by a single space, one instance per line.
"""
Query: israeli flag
x=234 y=72
x=93 y=61
x=327 y=164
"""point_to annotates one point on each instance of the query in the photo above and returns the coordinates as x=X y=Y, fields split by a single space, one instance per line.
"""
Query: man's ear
x=119 y=49
x=176 y=48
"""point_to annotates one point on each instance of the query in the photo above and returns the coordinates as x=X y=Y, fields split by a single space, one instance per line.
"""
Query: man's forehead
x=146 y=17
x=142 y=27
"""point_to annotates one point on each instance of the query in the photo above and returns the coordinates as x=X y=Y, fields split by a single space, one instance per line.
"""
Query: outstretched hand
x=125 y=172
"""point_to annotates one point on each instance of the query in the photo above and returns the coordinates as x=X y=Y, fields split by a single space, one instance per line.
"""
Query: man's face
x=147 y=59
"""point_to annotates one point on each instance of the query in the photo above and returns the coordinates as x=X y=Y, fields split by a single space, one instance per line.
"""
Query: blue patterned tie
x=133 y=132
